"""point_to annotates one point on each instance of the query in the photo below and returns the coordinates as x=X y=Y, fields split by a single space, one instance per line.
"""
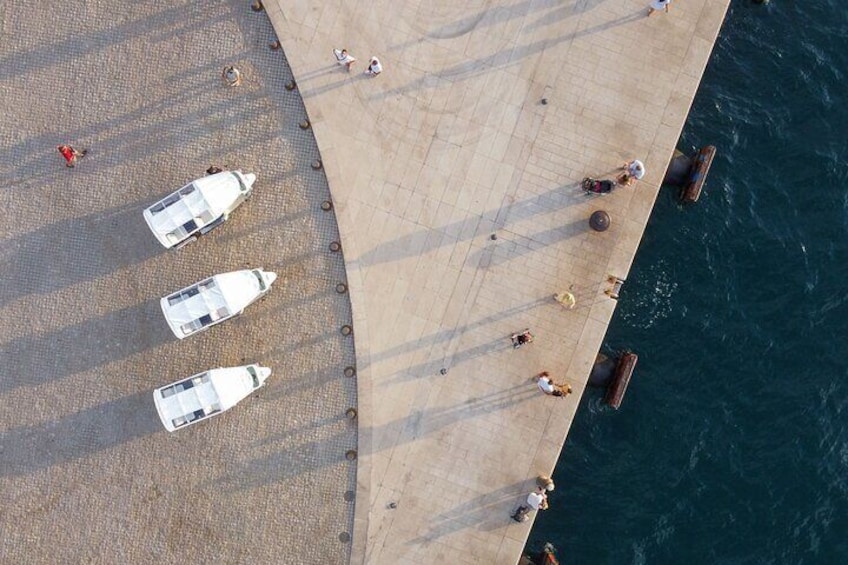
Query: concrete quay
x=448 y=147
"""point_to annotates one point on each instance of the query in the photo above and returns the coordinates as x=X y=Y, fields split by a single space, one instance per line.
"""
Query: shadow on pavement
x=424 y=241
x=487 y=512
x=32 y=448
x=37 y=359
x=75 y=250
x=420 y=423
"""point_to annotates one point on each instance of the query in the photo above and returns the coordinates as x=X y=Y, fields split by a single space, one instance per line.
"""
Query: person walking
x=546 y=385
x=374 y=67
x=657 y=5
x=344 y=58
x=70 y=154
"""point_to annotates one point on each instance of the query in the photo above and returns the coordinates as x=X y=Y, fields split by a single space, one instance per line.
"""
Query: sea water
x=731 y=445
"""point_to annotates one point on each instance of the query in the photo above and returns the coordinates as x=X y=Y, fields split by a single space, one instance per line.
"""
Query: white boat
x=214 y=300
x=198 y=207
x=206 y=394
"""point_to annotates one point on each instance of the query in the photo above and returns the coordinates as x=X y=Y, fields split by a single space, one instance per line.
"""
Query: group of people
x=347 y=60
x=538 y=499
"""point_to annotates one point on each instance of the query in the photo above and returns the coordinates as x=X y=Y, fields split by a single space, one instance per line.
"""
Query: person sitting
x=519 y=339
x=546 y=385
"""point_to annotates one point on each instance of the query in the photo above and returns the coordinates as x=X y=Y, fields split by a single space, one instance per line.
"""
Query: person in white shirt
x=374 y=68
x=633 y=170
x=546 y=385
x=657 y=5
x=538 y=500
x=344 y=58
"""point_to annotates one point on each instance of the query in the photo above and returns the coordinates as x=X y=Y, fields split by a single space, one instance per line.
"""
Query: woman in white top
x=633 y=170
x=344 y=58
x=375 y=68
x=657 y=5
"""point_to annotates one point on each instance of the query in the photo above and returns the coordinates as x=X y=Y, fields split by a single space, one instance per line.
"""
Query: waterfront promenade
x=460 y=214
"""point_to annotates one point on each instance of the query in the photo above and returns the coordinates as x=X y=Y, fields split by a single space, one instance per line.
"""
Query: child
x=70 y=154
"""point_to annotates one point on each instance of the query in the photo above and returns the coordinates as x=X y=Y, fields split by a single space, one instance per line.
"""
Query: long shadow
x=305 y=429
x=487 y=511
x=423 y=241
x=314 y=455
x=291 y=462
x=429 y=368
x=502 y=59
x=325 y=70
x=561 y=12
x=261 y=227
x=535 y=241
x=37 y=359
x=493 y=16
x=420 y=423
x=166 y=134
x=29 y=449
x=115 y=143
x=316 y=379
x=355 y=76
x=55 y=52
x=75 y=250
x=36 y=157
x=447 y=335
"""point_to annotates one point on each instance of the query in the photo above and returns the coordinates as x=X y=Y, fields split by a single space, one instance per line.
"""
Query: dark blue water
x=732 y=442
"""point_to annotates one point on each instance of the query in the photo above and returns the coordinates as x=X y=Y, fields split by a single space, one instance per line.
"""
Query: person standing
x=538 y=499
x=633 y=170
x=374 y=67
x=70 y=154
x=657 y=5
x=344 y=58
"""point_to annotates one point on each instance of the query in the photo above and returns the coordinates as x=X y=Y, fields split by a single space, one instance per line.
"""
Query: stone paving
x=87 y=473
x=458 y=199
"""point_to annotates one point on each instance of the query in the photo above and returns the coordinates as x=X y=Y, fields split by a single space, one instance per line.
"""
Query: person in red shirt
x=70 y=154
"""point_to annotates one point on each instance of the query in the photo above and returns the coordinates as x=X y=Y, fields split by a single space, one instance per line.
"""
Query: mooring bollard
x=232 y=76
x=599 y=220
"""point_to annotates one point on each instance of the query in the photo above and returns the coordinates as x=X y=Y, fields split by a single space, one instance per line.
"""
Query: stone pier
x=455 y=176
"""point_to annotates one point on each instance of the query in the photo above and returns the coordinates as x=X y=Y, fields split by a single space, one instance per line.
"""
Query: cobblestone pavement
x=87 y=473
